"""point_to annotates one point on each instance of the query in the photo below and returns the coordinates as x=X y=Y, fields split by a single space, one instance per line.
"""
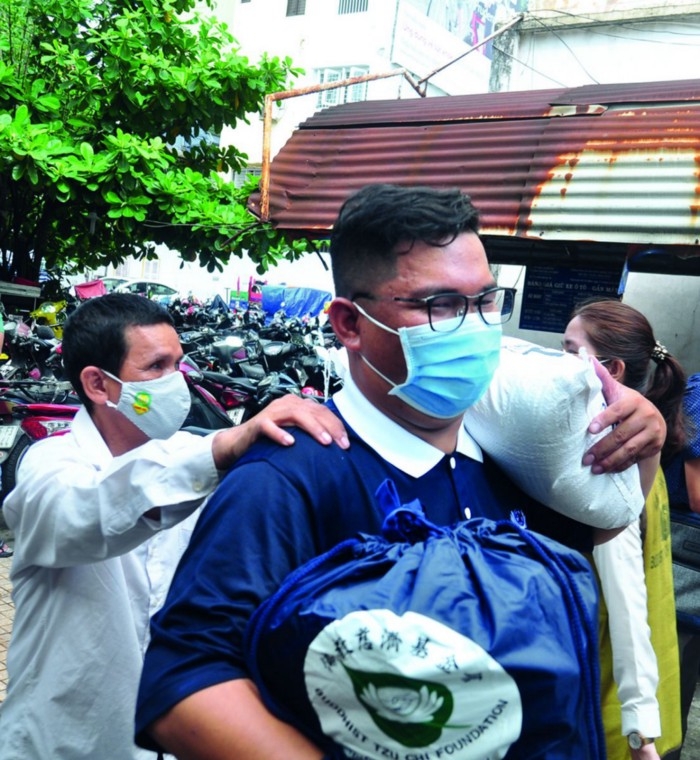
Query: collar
x=395 y=444
x=88 y=438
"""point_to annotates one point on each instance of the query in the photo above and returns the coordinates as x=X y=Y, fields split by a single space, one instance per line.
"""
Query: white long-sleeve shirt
x=88 y=571
x=620 y=564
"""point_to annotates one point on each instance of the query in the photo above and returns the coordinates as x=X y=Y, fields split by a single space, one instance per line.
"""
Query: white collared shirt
x=395 y=444
x=88 y=571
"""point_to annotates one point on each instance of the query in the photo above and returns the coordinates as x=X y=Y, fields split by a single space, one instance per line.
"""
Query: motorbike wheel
x=11 y=464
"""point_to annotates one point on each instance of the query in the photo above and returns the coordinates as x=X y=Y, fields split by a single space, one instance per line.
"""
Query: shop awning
x=616 y=166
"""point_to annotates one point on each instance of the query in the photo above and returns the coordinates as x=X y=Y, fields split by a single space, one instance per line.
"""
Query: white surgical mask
x=157 y=407
x=447 y=371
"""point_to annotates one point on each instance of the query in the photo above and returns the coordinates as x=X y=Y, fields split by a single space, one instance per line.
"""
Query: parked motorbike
x=235 y=395
x=30 y=352
x=31 y=410
x=23 y=421
x=206 y=413
x=51 y=314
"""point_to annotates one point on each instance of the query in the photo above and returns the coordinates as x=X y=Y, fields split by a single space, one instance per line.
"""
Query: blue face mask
x=447 y=371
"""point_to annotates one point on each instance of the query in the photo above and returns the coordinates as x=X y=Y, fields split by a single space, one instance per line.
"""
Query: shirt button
x=453 y=464
x=467 y=513
x=197 y=486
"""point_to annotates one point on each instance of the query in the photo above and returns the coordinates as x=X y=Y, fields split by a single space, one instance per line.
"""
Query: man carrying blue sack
x=420 y=315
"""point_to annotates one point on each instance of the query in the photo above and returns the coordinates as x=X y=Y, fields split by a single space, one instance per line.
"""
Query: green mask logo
x=142 y=402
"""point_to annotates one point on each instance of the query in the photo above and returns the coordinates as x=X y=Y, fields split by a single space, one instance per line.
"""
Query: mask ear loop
x=108 y=403
x=112 y=377
x=373 y=320
x=384 y=327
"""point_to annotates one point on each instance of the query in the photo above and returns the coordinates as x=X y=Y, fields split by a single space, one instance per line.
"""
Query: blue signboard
x=550 y=294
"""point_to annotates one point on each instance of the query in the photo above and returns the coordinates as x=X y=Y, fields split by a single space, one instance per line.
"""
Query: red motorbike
x=23 y=421
x=32 y=410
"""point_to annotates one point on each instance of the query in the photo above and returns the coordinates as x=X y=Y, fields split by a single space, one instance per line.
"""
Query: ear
x=94 y=384
x=343 y=315
x=616 y=367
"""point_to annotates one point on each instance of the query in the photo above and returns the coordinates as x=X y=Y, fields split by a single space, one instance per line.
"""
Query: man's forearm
x=229 y=722
x=639 y=432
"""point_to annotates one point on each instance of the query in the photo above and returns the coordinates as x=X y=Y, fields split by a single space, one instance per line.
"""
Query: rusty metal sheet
x=615 y=163
x=502 y=105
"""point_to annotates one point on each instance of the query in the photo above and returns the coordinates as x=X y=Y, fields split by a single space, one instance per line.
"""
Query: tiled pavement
x=7 y=611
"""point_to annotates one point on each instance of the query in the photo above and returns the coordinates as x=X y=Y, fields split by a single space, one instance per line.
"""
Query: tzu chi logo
x=409 y=688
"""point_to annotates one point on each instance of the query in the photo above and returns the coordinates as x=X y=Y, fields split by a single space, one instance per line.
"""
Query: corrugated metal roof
x=608 y=163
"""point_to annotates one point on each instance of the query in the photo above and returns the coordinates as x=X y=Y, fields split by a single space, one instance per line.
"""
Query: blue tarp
x=296 y=302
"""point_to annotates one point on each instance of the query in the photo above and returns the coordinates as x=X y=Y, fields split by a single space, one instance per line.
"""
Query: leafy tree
x=107 y=108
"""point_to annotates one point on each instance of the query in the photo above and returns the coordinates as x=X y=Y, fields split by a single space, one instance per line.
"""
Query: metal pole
x=267 y=122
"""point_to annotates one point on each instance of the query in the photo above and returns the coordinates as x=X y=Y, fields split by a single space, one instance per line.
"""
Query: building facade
x=459 y=47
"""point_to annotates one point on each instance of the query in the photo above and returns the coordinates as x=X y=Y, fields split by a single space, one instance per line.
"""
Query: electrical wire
x=598 y=32
x=566 y=45
x=527 y=66
x=628 y=38
x=633 y=25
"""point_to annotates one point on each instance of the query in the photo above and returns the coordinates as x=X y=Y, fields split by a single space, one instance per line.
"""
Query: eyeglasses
x=495 y=307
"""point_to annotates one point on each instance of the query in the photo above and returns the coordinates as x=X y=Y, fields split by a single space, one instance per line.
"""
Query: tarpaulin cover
x=296 y=302
x=90 y=289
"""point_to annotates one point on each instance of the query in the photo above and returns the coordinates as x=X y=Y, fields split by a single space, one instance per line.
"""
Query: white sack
x=533 y=421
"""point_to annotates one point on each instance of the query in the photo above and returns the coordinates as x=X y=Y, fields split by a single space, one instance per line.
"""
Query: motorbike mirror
x=194 y=375
x=191 y=373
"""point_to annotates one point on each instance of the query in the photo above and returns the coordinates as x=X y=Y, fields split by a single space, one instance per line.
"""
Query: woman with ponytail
x=640 y=686
x=623 y=340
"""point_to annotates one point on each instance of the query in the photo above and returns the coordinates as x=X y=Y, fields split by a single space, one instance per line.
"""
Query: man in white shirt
x=92 y=559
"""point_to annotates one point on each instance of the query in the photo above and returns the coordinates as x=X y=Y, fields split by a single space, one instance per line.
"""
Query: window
x=151 y=267
x=296 y=7
x=352 y=94
x=240 y=177
x=187 y=143
x=352 y=6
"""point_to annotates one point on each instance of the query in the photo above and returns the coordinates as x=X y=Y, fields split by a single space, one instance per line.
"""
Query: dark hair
x=618 y=331
x=376 y=219
x=94 y=334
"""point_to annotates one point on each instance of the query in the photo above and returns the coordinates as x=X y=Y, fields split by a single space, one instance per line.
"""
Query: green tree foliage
x=106 y=108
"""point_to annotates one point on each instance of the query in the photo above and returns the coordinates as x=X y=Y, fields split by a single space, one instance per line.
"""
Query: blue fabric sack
x=472 y=643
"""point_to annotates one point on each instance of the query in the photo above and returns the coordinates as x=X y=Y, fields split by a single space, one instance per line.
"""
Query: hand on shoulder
x=290 y=411
x=639 y=429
